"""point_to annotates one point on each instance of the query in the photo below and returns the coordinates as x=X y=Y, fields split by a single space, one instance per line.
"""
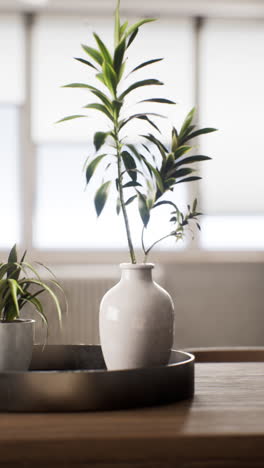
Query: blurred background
x=213 y=60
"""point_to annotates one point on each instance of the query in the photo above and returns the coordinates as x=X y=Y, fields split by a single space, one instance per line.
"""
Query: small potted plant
x=20 y=284
x=136 y=316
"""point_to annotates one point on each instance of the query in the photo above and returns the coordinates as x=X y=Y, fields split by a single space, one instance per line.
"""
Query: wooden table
x=223 y=426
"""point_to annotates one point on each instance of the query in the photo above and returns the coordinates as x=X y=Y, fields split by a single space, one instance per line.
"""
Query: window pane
x=233 y=232
x=232 y=100
x=65 y=216
x=12 y=42
x=9 y=187
x=56 y=40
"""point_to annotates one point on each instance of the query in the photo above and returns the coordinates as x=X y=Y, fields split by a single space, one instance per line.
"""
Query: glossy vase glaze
x=136 y=320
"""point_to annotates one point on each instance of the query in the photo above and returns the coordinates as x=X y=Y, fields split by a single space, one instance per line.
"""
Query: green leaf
x=117 y=23
x=15 y=288
x=170 y=182
x=145 y=64
x=70 y=117
x=26 y=265
x=130 y=164
x=101 y=197
x=143 y=209
x=157 y=175
x=99 y=139
x=92 y=167
x=174 y=140
x=187 y=122
x=132 y=184
x=23 y=256
x=163 y=150
x=181 y=151
x=147 y=148
x=135 y=151
x=169 y=163
x=198 y=132
x=79 y=85
x=194 y=205
x=142 y=117
x=4 y=269
x=187 y=132
x=158 y=100
x=165 y=202
x=93 y=53
x=50 y=292
x=151 y=194
x=122 y=69
x=12 y=257
x=145 y=117
x=86 y=62
x=188 y=179
x=103 y=49
x=118 y=56
x=100 y=77
x=192 y=159
x=100 y=108
x=130 y=200
x=104 y=99
x=51 y=273
x=139 y=84
x=10 y=312
x=182 y=172
x=123 y=28
x=132 y=37
x=137 y=25
x=13 y=270
x=110 y=77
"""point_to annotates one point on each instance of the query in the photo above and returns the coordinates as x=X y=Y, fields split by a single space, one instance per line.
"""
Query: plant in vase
x=136 y=316
x=17 y=289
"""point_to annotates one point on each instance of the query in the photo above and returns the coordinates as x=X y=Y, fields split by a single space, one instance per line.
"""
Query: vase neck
x=137 y=272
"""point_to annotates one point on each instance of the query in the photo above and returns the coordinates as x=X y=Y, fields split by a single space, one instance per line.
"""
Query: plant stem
x=122 y=201
x=154 y=243
x=143 y=244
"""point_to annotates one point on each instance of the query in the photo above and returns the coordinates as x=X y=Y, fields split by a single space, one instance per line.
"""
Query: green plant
x=16 y=288
x=138 y=167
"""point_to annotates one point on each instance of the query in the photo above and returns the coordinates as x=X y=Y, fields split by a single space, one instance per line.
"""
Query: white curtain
x=232 y=100
x=12 y=59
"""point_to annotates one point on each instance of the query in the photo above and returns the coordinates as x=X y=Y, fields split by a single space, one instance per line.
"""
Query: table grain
x=222 y=426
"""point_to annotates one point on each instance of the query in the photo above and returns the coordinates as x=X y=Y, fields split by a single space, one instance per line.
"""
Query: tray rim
x=190 y=359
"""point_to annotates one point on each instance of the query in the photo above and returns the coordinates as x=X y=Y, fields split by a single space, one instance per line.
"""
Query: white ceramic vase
x=136 y=321
x=16 y=344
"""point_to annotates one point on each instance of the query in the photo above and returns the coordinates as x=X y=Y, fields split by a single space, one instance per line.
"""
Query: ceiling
x=238 y=8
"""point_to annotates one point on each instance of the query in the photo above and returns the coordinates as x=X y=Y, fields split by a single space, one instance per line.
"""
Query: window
x=216 y=62
x=9 y=187
x=232 y=99
x=68 y=219
x=11 y=99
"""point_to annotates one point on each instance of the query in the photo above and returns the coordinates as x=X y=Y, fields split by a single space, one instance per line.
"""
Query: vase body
x=136 y=321
x=16 y=344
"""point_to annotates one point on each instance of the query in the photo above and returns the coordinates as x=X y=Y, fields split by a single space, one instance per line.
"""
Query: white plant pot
x=16 y=344
x=136 y=321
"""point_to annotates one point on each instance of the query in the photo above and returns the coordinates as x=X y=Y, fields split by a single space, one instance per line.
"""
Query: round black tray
x=74 y=378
